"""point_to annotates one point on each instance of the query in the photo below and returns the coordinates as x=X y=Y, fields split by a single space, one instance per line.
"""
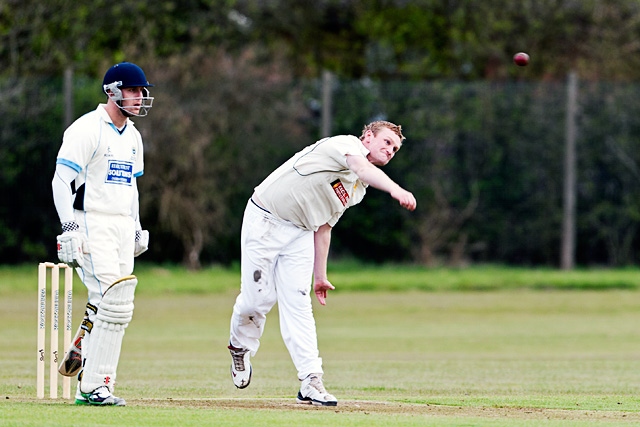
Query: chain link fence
x=484 y=159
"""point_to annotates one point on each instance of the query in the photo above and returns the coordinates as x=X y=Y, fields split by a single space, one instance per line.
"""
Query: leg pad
x=114 y=314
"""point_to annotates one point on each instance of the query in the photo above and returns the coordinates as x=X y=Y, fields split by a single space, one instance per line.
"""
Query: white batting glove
x=70 y=244
x=142 y=242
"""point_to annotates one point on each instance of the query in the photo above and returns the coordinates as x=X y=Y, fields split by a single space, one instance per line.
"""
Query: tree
x=47 y=37
x=208 y=141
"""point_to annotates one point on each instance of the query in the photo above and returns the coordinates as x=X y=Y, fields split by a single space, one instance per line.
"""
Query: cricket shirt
x=315 y=186
x=107 y=160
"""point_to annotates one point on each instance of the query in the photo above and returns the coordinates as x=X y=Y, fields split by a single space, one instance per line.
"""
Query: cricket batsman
x=96 y=196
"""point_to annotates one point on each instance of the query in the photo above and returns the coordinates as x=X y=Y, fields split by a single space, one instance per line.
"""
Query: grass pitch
x=523 y=355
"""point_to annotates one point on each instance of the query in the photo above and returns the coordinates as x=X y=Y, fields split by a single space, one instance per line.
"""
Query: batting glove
x=142 y=242
x=70 y=244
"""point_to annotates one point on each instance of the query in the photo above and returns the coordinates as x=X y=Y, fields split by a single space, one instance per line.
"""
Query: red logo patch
x=107 y=380
x=340 y=191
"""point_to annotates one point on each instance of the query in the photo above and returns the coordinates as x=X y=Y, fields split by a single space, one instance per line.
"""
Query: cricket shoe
x=80 y=399
x=100 y=397
x=240 y=366
x=312 y=392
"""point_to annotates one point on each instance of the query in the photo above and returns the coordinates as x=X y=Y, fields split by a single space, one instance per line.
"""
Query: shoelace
x=316 y=383
x=238 y=359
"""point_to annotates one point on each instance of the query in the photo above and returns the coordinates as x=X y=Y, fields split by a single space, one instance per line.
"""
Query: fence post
x=327 y=98
x=569 y=196
x=68 y=96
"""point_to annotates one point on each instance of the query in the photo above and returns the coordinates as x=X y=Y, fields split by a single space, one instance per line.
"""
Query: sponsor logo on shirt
x=340 y=191
x=119 y=172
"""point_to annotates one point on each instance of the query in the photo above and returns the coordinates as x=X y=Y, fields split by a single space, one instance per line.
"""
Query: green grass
x=356 y=277
x=516 y=348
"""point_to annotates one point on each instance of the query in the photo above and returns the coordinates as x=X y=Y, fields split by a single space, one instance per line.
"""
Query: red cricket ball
x=521 y=59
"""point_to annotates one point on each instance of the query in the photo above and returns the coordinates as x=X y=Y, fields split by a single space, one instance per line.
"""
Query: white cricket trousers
x=111 y=243
x=276 y=266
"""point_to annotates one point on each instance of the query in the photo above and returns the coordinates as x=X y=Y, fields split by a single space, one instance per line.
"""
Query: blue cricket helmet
x=127 y=74
x=123 y=75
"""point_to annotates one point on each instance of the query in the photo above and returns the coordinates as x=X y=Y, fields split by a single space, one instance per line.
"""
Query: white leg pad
x=114 y=314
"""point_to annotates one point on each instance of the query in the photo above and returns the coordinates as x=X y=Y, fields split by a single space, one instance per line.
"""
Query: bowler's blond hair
x=376 y=126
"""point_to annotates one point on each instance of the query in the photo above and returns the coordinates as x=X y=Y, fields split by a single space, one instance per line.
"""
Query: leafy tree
x=230 y=105
x=47 y=37
x=28 y=159
x=608 y=192
x=236 y=119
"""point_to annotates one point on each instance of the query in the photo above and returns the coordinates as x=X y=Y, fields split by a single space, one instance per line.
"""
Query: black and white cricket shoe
x=240 y=366
x=312 y=392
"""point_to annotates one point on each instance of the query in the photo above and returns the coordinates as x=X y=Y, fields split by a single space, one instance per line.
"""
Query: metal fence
x=486 y=161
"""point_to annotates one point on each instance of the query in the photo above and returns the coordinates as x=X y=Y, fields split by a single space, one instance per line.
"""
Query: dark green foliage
x=237 y=93
x=484 y=161
x=31 y=112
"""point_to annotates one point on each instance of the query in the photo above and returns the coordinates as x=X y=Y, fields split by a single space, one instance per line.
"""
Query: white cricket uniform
x=107 y=161
x=311 y=189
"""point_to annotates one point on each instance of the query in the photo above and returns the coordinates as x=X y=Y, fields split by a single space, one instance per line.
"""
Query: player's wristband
x=70 y=226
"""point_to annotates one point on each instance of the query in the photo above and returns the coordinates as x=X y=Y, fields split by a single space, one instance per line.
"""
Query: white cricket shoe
x=312 y=392
x=240 y=366
x=100 y=397
x=80 y=399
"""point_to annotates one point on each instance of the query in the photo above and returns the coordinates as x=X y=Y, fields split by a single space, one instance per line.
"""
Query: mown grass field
x=482 y=346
